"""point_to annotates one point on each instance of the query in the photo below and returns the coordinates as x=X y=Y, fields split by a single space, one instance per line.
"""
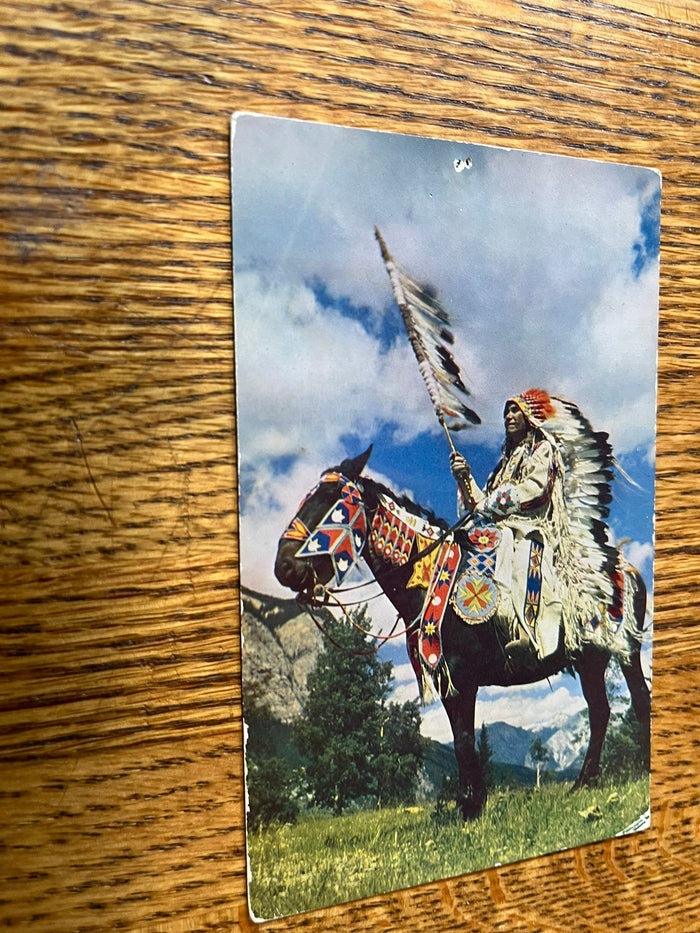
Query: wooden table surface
x=120 y=735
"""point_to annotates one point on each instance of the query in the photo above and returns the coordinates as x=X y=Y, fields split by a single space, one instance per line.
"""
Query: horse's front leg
x=472 y=790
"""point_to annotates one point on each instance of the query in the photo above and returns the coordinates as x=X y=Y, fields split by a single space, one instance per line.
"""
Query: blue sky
x=548 y=267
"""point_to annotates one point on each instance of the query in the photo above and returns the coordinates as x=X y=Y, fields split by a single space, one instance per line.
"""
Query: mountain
x=565 y=741
x=280 y=648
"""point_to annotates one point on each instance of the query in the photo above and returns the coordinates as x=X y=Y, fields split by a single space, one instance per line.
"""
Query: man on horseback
x=524 y=497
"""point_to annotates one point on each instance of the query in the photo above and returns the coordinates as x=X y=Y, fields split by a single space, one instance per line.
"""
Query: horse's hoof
x=472 y=809
x=592 y=781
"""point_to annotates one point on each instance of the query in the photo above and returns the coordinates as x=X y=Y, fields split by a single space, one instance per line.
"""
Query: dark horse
x=473 y=654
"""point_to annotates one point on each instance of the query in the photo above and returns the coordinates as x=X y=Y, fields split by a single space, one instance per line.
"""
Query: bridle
x=342 y=535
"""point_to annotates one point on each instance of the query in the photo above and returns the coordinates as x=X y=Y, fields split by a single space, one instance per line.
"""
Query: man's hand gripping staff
x=462 y=473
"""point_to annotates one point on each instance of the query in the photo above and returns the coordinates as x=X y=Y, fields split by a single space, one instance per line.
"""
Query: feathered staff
x=428 y=328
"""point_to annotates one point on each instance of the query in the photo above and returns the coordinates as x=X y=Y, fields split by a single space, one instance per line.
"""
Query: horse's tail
x=634 y=610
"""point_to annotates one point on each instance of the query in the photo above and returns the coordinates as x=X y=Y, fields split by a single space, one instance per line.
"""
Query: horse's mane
x=408 y=504
x=404 y=502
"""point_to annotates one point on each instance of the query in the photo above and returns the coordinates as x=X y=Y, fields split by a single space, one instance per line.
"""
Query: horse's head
x=327 y=534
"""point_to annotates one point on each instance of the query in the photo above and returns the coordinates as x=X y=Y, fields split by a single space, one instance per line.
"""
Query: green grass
x=324 y=860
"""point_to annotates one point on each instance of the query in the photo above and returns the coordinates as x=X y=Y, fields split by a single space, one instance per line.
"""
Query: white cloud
x=406 y=691
x=519 y=707
x=435 y=724
x=306 y=375
x=640 y=555
x=532 y=256
x=620 y=337
x=404 y=673
x=271 y=498
x=525 y=707
x=528 y=707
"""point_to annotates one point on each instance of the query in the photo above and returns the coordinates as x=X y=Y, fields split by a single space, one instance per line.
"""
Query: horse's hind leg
x=591 y=670
x=641 y=703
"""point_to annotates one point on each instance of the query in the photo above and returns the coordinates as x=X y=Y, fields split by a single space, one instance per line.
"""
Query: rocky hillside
x=280 y=647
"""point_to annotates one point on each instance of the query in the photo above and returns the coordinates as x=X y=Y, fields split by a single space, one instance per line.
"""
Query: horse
x=472 y=654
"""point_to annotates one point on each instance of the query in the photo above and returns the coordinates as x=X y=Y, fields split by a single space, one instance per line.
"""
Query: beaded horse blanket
x=459 y=573
x=462 y=576
x=456 y=572
x=394 y=535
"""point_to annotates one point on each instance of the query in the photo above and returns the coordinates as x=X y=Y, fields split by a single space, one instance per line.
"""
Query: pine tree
x=485 y=755
x=401 y=751
x=622 y=752
x=539 y=754
x=271 y=782
x=358 y=745
x=271 y=785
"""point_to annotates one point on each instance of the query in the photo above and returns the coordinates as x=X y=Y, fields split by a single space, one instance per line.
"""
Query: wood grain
x=120 y=737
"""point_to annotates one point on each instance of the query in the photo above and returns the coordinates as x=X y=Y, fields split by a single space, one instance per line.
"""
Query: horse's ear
x=352 y=467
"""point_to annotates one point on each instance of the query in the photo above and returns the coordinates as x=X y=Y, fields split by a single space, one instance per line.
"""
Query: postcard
x=446 y=403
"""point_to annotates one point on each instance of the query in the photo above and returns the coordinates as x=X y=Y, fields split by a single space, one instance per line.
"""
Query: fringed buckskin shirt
x=522 y=497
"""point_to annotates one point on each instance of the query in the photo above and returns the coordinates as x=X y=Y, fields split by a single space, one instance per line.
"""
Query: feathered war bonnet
x=535 y=404
x=584 y=450
x=584 y=455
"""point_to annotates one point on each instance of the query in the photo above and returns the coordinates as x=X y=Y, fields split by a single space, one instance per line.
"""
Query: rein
x=309 y=602
x=332 y=591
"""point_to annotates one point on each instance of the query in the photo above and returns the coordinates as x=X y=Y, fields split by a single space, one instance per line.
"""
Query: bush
x=622 y=751
x=271 y=788
x=446 y=808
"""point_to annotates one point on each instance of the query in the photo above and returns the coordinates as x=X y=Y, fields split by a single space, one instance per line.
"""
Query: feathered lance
x=427 y=326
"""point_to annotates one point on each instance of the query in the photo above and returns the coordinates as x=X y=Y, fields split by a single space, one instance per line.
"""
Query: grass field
x=324 y=860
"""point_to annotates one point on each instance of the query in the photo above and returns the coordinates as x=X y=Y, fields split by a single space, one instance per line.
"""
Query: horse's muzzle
x=296 y=574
